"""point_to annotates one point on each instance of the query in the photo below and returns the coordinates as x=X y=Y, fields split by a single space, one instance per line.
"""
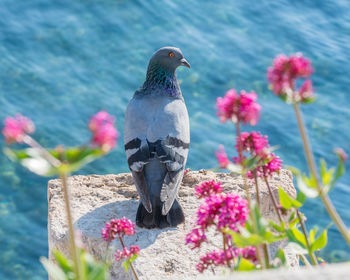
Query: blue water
x=62 y=61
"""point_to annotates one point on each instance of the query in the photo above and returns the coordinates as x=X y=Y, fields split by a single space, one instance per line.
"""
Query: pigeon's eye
x=171 y=54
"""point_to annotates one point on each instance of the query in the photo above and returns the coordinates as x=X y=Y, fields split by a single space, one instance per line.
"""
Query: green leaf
x=309 y=192
x=76 y=157
x=301 y=197
x=309 y=181
x=286 y=201
x=312 y=234
x=244 y=241
x=277 y=227
x=134 y=257
x=245 y=265
x=99 y=272
x=36 y=161
x=339 y=171
x=251 y=163
x=65 y=264
x=326 y=175
x=281 y=256
x=320 y=242
x=32 y=159
x=308 y=100
x=269 y=237
x=126 y=265
x=55 y=272
x=294 y=235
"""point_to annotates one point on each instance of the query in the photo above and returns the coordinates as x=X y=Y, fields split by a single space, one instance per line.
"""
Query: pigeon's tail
x=155 y=172
x=155 y=219
x=175 y=215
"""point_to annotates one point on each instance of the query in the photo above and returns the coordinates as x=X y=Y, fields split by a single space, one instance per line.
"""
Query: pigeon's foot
x=176 y=215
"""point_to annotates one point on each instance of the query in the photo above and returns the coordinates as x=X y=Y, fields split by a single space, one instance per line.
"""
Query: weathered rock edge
x=328 y=272
x=96 y=199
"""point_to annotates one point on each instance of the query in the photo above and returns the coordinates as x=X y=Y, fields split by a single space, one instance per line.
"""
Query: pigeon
x=157 y=138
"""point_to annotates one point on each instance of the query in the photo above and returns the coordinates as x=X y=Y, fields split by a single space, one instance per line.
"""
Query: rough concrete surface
x=329 y=272
x=95 y=199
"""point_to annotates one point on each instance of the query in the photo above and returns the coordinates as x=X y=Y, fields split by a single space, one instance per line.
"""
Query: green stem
x=266 y=255
x=224 y=241
x=132 y=267
x=312 y=167
x=73 y=247
x=44 y=153
x=244 y=175
x=273 y=200
x=304 y=260
x=257 y=189
x=303 y=227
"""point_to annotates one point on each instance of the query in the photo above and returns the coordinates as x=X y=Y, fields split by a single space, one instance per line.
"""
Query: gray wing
x=136 y=147
x=173 y=153
x=138 y=155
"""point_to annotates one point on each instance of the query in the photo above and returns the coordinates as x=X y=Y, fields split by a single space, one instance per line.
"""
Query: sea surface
x=62 y=61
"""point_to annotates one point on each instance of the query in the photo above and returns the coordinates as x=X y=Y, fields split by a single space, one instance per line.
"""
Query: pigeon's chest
x=156 y=118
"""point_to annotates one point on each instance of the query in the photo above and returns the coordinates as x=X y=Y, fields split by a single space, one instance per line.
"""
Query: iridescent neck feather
x=160 y=81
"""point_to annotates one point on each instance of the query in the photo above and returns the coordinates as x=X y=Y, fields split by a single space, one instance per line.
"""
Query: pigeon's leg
x=175 y=215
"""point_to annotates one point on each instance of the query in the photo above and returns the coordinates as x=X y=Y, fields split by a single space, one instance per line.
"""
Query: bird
x=157 y=139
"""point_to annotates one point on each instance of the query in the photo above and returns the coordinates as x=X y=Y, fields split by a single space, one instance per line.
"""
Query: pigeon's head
x=169 y=58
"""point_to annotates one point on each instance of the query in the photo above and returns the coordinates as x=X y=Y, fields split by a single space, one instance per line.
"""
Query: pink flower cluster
x=222 y=157
x=127 y=253
x=218 y=209
x=222 y=210
x=208 y=188
x=196 y=237
x=283 y=73
x=238 y=107
x=257 y=145
x=121 y=227
x=217 y=258
x=341 y=153
x=104 y=133
x=16 y=128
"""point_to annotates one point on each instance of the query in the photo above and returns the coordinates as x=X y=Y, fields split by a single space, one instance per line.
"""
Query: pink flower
x=99 y=119
x=223 y=210
x=16 y=128
x=283 y=73
x=273 y=165
x=196 y=237
x=104 y=133
x=208 y=188
x=211 y=259
x=253 y=142
x=306 y=90
x=257 y=145
x=341 y=154
x=127 y=253
x=238 y=107
x=121 y=227
x=221 y=257
x=248 y=253
x=222 y=157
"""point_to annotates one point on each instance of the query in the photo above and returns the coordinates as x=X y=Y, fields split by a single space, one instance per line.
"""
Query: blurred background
x=62 y=61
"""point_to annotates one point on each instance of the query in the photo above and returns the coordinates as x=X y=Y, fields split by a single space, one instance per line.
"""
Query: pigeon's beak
x=184 y=62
